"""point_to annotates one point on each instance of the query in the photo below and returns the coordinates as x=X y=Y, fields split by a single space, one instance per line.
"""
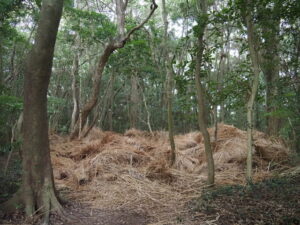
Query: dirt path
x=84 y=215
x=89 y=216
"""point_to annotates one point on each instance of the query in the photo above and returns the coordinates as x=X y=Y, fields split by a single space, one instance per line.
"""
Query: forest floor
x=116 y=179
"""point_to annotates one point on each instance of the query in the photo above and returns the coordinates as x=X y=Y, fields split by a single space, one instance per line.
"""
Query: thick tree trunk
x=253 y=48
x=201 y=97
x=169 y=86
x=37 y=192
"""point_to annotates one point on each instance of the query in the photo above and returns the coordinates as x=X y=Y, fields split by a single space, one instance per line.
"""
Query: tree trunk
x=75 y=89
x=253 y=48
x=1 y=66
x=134 y=102
x=116 y=43
x=201 y=96
x=270 y=67
x=37 y=192
x=148 y=114
x=169 y=86
x=111 y=102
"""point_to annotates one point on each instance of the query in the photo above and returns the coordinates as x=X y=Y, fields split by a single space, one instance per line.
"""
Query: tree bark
x=148 y=114
x=1 y=65
x=169 y=85
x=75 y=88
x=201 y=95
x=270 y=66
x=118 y=42
x=253 y=48
x=37 y=192
x=111 y=102
x=134 y=102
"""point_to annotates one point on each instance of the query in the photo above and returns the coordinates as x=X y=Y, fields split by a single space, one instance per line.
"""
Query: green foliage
x=10 y=103
x=91 y=26
x=8 y=6
x=11 y=181
x=10 y=107
x=55 y=104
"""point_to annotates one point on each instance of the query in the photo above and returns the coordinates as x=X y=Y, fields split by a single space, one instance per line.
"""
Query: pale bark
x=110 y=47
x=201 y=98
x=148 y=114
x=111 y=102
x=253 y=48
x=134 y=102
x=220 y=78
x=100 y=111
x=120 y=11
x=169 y=86
x=12 y=72
x=75 y=86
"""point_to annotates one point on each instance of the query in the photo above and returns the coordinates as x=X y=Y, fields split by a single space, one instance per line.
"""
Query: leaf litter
x=130 y=171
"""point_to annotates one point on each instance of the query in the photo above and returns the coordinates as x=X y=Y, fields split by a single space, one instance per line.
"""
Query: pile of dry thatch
x=110 y=170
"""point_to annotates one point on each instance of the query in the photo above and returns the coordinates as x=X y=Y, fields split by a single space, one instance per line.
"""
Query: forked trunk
x=116 y=43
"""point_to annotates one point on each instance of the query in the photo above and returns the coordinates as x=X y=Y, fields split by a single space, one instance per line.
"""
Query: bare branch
x=153 y=7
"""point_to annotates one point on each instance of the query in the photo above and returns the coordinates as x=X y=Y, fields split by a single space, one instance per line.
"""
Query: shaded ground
x=274 y=201
x=84 y=215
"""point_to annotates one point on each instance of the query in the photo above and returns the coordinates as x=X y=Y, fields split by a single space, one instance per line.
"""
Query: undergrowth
x=10 y=181
x=273 y=201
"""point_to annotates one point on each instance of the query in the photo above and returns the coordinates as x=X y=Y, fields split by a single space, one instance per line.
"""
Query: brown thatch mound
x=114 y=171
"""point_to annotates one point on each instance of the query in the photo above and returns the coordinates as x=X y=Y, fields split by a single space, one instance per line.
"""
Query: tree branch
x=125 y=5
x=153 y=7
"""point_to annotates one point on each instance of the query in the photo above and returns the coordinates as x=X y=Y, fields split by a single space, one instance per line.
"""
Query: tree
x=202 y=22
x=134 y=101
x=37 y=192
x=114 y=44
x=169 y=74
x=253 y=50
x=268 y=22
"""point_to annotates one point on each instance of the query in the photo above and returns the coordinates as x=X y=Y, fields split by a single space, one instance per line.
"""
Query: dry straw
x=110 y=170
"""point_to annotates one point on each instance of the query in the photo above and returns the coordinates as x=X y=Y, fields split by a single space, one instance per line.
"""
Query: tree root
x=48 y=204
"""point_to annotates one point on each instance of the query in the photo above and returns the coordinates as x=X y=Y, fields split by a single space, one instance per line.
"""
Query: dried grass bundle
x=110 y=170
